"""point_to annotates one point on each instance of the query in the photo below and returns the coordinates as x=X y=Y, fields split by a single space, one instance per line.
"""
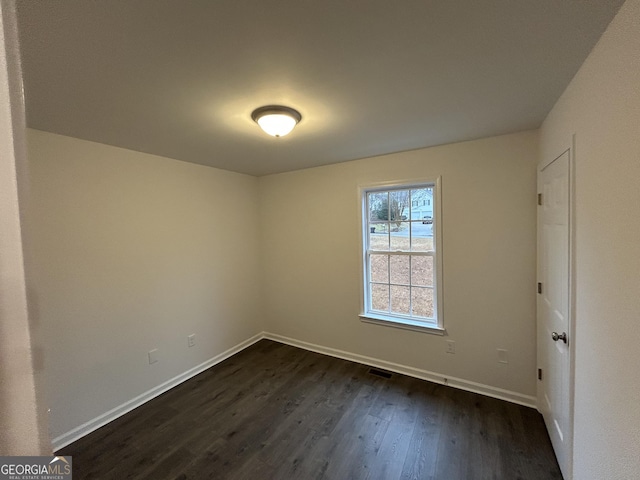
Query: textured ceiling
x=180 y=78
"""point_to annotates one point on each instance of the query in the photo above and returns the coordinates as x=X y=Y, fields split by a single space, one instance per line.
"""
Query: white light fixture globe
x=276 y=120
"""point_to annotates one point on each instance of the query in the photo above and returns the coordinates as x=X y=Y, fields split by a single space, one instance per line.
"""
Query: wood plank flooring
x=278 y=412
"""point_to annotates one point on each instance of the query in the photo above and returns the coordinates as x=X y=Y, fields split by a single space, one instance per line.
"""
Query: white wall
x=135 y=252
x=23 y=428
x=602 y=107
x=311 y=273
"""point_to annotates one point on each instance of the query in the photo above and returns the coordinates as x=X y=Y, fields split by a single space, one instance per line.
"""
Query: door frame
x=571 y=292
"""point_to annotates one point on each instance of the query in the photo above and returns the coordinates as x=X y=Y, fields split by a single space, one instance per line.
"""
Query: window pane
x=399 y=205
x=378 y=207
x=421 y=237
x=416 y=204
x=399 y=268
x=421 y=203
x=379 y=236
x=400 y=299
x=400 y=236
x=422 y=302
x=422 y=271
x=380 y=268
x=380 y=297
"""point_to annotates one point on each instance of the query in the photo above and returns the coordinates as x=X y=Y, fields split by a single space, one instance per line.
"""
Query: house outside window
x=402 y=278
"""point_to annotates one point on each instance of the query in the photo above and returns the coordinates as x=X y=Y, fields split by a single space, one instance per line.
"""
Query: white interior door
x=554 y=339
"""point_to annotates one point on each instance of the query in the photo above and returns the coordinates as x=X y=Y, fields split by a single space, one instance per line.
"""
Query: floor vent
x=380 y=373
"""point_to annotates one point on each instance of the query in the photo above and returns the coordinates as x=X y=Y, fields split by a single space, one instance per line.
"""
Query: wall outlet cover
x=502 y=356
x=153 y=356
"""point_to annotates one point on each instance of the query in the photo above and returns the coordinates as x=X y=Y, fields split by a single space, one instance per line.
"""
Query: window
x=401 y=256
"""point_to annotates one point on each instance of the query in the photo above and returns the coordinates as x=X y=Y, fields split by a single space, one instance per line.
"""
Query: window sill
x=405 y=324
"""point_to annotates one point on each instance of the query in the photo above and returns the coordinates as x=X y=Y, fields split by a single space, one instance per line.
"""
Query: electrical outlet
x=502 y=356
x=191 y=340
x=153 y=356
x=451 y=346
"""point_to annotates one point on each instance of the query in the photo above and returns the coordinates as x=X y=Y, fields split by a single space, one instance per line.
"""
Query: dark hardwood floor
x=278 y=412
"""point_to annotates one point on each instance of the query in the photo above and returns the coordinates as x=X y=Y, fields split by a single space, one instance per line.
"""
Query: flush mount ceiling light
x=276 y=120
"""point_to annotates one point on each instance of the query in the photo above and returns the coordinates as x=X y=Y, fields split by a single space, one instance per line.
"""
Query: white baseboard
x=101 y=420
x=514 y=397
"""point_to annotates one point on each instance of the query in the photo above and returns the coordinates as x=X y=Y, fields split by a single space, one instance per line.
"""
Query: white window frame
x=435 y=325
